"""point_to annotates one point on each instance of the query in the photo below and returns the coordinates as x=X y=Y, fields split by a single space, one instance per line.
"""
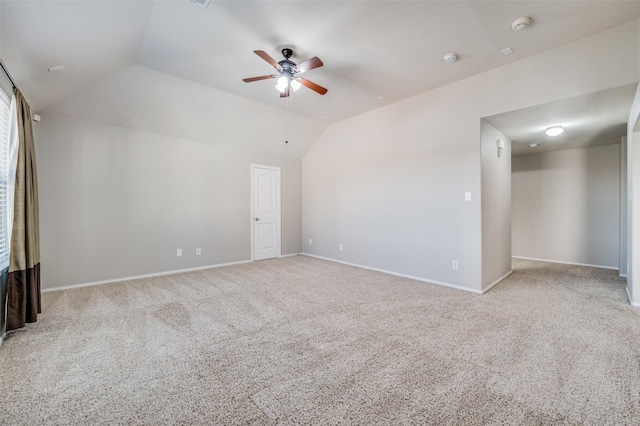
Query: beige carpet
x=303 y=341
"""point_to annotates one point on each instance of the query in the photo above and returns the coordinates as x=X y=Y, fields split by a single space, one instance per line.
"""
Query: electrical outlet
x=310 y=241
x=340 y=246
x=179 y=252
x=198 y=251
x=454 y=265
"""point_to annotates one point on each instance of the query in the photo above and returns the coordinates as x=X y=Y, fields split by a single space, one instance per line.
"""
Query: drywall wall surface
x=623 y=261
x=368 y=186
x=633 y=218
x=389 y=184
x=496 y=205
x=566 y=206
x=633 y=213
x=5 y=85
x=188 y=110
x=118 y=202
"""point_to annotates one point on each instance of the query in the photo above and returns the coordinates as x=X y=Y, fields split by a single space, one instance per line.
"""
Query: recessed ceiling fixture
x=533 y=145
x=56 y=68
x=380 y=98
x=507 y=51
x=554 y=130
x=450 y=57
x=201 y=3
x=521 y=23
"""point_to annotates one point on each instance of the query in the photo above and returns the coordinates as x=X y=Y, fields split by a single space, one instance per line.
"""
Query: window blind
x=5 y=105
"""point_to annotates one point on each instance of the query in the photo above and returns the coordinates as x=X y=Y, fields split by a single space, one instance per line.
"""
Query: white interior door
x=266 y=212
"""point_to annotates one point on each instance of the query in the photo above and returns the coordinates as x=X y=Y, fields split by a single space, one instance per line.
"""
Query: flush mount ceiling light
x=554 y=130
x=521 y=23
x=533 y=145
x=450 y=57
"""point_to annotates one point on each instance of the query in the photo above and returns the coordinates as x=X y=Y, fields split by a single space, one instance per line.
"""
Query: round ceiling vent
x=521 y=23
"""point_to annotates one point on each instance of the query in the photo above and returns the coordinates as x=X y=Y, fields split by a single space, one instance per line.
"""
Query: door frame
x=253 y=167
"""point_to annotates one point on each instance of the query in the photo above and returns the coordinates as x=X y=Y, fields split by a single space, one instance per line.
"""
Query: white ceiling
x=595 y=119
x=392 y=49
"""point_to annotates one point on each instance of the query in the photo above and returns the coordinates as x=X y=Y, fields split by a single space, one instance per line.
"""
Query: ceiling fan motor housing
x=287 y=66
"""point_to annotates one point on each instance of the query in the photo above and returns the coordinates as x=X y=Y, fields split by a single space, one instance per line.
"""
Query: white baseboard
x=289 y=255
x=137 y=277
x=631 y=302
x=497 y=281
x=397 y=274
x=613 y=268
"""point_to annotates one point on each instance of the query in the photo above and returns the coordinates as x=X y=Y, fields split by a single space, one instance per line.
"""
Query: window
x=5 y=107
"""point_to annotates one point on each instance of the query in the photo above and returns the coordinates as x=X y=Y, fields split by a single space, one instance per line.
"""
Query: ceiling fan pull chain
x=287 y=111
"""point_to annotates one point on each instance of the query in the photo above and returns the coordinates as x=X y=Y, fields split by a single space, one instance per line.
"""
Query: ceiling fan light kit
x=288 y=73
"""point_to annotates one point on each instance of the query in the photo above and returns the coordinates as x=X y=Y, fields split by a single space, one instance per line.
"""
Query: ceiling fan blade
x=309 y=64
x=262 y=77
x=311 y=85
x=267 y=58
x=286 y=93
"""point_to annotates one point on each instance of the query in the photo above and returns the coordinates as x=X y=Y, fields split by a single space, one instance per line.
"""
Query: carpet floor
x=299 y=340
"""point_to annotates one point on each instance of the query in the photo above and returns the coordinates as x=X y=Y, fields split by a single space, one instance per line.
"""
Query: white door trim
x=253 y=167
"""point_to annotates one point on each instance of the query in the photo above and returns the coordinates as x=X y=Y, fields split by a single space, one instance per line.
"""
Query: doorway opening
x=559 y=199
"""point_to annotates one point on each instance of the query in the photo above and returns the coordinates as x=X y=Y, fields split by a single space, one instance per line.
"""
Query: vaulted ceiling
x=374 y=52
x=392 y=49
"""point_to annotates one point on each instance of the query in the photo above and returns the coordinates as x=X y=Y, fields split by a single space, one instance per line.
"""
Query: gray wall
x=633 y=187
x=623 y=260
x=566 y=206
x=496 y=206
x=389 y=184
x=117 y=202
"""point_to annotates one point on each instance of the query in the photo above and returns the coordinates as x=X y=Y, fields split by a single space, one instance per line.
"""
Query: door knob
x=257 y=219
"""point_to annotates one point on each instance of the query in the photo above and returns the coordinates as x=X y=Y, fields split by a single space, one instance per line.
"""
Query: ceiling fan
x=288 y=73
